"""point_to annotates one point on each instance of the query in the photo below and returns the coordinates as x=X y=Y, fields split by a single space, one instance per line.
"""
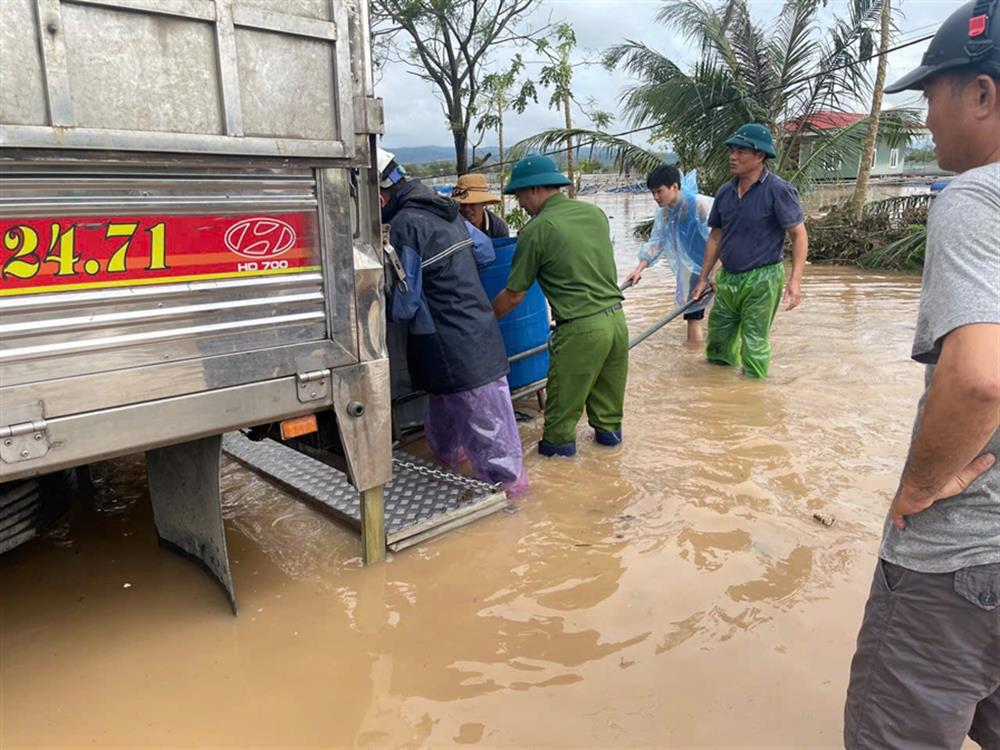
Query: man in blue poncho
x=680 y=230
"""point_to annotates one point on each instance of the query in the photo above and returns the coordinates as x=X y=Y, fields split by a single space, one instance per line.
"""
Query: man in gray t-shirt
x=961 y=287
x=926 y=672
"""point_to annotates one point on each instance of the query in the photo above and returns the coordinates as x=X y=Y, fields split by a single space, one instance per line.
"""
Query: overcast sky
x=413 y=114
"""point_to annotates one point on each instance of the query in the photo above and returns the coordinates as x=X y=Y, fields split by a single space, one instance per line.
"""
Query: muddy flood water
x=675 y=592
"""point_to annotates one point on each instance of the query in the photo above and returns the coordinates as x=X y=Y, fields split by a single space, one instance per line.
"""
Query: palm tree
x=781 y=76
x=857 y=202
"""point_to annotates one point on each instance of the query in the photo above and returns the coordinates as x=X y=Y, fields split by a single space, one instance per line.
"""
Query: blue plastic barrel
x=526 y=326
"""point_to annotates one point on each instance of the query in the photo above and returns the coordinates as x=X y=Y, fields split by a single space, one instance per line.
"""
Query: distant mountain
x=425 y=154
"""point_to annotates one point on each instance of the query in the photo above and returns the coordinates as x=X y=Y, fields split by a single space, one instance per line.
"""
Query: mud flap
x=187 y=505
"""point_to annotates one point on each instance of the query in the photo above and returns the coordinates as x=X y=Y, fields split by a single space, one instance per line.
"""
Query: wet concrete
x=674 y=592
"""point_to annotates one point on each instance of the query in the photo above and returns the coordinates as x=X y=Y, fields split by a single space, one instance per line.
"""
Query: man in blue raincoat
x=680 y=230
x=454 y=349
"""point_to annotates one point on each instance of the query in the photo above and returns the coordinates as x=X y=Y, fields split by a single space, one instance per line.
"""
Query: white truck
x=190 y=245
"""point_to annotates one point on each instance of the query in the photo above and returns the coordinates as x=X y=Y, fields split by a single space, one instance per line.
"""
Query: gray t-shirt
x=961 y=286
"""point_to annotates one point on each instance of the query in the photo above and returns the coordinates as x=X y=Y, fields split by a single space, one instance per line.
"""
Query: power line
x=718 y=105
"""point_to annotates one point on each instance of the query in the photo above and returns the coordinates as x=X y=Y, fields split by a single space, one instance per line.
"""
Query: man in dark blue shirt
x=751 y=216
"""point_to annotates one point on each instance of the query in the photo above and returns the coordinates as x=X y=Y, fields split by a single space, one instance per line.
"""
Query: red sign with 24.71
x=56 y=254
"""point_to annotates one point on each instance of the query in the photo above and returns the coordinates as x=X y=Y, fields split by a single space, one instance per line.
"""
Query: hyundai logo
x=260 y=238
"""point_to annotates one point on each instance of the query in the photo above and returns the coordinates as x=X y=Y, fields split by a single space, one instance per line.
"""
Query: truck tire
x=29 y=506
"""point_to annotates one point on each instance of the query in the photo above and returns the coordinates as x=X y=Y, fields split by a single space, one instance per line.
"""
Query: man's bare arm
x=710 y=264
x=961 y=413
x=636 y=275
x=800 y=249
x=506 y=301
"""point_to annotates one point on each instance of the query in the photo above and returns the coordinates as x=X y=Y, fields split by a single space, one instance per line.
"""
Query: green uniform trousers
x=588 y=368
x=740 y=322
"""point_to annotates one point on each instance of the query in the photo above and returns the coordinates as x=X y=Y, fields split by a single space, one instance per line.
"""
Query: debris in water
x=827 y=519
x=127 y=586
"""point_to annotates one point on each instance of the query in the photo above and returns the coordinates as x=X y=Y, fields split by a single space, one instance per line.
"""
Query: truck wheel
x=29 y=506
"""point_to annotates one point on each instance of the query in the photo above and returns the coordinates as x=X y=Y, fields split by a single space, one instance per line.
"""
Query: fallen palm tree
x=891 y=234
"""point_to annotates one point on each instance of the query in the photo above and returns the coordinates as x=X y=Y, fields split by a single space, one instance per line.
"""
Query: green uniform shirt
x=566 y=247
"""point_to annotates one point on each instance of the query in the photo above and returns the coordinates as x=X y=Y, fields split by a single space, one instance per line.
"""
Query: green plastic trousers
x=588 y=369
x=740 y=322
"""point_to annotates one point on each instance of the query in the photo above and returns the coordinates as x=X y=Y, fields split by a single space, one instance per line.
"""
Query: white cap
x=384 y=158
x=389 y=170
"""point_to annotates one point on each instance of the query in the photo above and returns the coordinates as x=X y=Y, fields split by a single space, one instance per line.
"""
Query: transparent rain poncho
x=478 y=425
x=679 y=234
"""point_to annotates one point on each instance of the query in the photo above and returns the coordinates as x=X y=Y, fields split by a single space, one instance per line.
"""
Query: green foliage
x=449 y=43
x=643 y=229
x=431 y=168
x=891 y=235
x=906 y=253
x=557 y=75
x=502 y=92
x=599 y=118
x=922 y=154
x=778 y=75
x=589 y=166
x=516 y=218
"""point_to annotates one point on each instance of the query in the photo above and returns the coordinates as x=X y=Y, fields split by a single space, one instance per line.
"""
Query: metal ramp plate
x=422 y=500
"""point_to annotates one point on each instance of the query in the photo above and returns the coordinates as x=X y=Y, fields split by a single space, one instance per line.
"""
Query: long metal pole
x=677 y=311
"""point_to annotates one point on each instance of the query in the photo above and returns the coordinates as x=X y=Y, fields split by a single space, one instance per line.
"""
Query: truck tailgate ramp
x=421 y=501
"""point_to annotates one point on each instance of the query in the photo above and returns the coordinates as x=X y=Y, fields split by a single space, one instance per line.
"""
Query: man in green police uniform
x=567 y=247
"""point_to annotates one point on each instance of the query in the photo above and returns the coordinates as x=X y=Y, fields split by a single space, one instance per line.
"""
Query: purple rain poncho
x=478 y=424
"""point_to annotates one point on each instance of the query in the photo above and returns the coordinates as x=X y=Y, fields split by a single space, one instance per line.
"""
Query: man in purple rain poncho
x=454 y=350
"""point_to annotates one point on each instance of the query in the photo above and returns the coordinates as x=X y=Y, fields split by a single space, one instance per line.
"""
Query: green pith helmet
x=753 y=136
x=535 y=171
x=969 y=36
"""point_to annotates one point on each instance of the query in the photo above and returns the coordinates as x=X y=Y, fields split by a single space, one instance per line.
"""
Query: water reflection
x=671 y=592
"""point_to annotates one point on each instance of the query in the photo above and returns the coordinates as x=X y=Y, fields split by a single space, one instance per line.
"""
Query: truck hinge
x=23 y=441
x=392 y=258
x=313 y=385
x=368 y=117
